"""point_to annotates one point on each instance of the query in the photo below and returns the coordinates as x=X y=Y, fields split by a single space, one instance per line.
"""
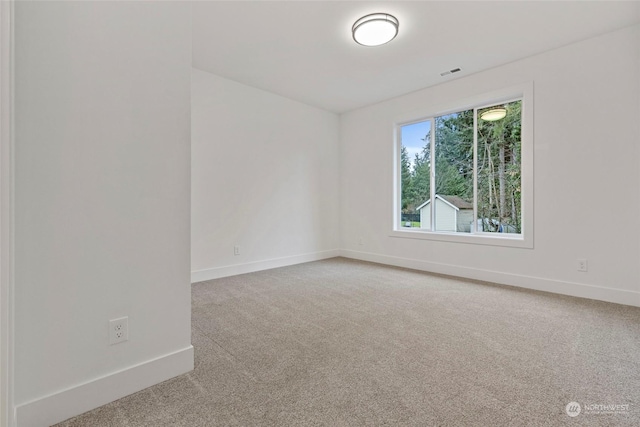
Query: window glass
x=499 y=169
x=415 y=173
x=469 y=162
x=454 y=172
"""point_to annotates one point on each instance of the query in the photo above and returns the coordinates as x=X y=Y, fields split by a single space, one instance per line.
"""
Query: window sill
x=505 y=240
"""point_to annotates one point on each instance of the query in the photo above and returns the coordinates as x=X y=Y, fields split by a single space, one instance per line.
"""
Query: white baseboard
x=250 y=267
x=618 y=296
x=76 y=400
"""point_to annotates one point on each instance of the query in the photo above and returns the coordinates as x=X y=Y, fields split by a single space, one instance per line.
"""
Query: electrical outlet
x=236 y=250
x=582 y=265
x=360 y=241
x=118 y=330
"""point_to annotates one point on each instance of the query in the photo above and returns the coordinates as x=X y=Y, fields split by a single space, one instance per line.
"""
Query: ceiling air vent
x=455 y=70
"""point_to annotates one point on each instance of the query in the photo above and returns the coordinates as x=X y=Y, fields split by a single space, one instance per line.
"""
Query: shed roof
x=458 y=202
x=455 y=201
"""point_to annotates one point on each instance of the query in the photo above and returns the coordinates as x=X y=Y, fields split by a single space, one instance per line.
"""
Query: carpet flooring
x=347 y=343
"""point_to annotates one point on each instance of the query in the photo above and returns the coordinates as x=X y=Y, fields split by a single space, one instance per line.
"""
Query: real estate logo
x=573 y=409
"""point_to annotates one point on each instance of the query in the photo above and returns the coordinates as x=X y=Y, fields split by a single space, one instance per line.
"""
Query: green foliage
x=421 y=178
x=499 y=170
x=454 y=155
x=405 y=177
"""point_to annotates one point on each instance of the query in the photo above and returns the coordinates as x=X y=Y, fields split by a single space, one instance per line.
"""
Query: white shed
x=452 y=214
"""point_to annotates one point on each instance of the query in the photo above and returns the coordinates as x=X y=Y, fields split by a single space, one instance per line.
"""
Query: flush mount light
x=375 y=29
x=494 y=113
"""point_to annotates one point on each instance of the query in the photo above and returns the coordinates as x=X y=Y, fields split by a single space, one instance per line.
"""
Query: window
x=461 y=175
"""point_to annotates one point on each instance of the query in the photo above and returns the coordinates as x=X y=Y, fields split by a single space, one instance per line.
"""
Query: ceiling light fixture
x=494 y=113
x=375 y=29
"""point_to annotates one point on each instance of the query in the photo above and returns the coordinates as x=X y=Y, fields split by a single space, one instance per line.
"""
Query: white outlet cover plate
x=582 y=265
x=118 y=330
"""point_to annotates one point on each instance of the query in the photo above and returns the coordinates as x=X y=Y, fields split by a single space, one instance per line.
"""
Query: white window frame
x=522 y=92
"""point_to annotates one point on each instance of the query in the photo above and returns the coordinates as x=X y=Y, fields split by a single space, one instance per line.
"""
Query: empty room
x=319 y=213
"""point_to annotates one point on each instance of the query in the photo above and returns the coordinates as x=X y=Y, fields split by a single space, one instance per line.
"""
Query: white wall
x=6 y=294
x=102 y=200
x=265 y=177
x=586 y=132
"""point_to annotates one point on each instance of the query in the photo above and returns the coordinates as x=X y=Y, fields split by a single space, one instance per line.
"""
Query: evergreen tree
x=421 y=185
x=454 y=155
x=499 y=167
x=499 y=170
x=405 y=165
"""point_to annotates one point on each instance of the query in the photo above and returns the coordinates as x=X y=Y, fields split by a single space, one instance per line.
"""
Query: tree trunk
x=502 y=184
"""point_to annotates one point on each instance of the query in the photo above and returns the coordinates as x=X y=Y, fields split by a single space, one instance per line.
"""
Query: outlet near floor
x=118 y=330
x=582 y=265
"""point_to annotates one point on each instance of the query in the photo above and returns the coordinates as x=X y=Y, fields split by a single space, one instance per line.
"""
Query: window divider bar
x=474 y=223
x=432 y=177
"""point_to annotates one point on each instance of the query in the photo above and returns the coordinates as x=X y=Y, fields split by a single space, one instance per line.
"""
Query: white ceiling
x=304 y=50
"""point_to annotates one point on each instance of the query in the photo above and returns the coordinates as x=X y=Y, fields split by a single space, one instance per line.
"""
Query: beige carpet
x=348 y=343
